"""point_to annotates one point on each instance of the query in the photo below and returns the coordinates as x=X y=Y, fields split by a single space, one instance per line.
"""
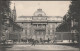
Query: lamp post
x=72 y=30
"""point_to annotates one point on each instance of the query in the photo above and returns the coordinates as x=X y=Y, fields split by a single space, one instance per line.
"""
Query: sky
x=51 y=8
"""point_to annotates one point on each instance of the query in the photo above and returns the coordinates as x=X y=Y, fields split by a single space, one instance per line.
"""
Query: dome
x=39 y=12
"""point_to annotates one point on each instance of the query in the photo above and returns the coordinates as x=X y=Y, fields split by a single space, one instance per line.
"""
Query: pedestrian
x=33 y=43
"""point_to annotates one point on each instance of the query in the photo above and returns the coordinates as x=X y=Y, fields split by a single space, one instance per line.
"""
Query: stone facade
x=39 y=25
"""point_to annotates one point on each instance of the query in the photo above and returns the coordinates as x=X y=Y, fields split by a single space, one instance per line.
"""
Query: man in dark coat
x=34 y=42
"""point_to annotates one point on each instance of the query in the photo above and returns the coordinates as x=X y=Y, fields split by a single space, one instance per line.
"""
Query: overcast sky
x=51 y=8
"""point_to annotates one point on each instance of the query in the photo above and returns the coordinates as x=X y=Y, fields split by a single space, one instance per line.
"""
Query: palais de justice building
x=39 y=25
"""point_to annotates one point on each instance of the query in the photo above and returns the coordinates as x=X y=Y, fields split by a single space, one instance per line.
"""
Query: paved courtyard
x=41 y=47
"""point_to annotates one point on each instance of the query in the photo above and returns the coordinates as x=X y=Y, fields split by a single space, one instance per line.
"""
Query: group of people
x=34 y=42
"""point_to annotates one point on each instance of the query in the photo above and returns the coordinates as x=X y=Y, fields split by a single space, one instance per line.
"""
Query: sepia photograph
x=39 y=25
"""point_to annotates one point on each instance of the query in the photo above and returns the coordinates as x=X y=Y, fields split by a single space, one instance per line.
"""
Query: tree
x=4 y=12
x=74 y=10
x=65 y=25
x=74 y=14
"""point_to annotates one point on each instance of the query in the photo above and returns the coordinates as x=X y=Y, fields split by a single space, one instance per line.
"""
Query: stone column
x=55 y=35
x=46 y=29
x=36 y=35
x=20 y=35
x=23 y=33
x=31 y=30
x=26 y=33
x=37 y=25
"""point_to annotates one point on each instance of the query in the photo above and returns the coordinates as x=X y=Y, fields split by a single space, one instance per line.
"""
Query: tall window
x=26 y=32
x=48 y=31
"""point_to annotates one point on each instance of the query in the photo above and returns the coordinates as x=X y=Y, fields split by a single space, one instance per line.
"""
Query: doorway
x=40 y=34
